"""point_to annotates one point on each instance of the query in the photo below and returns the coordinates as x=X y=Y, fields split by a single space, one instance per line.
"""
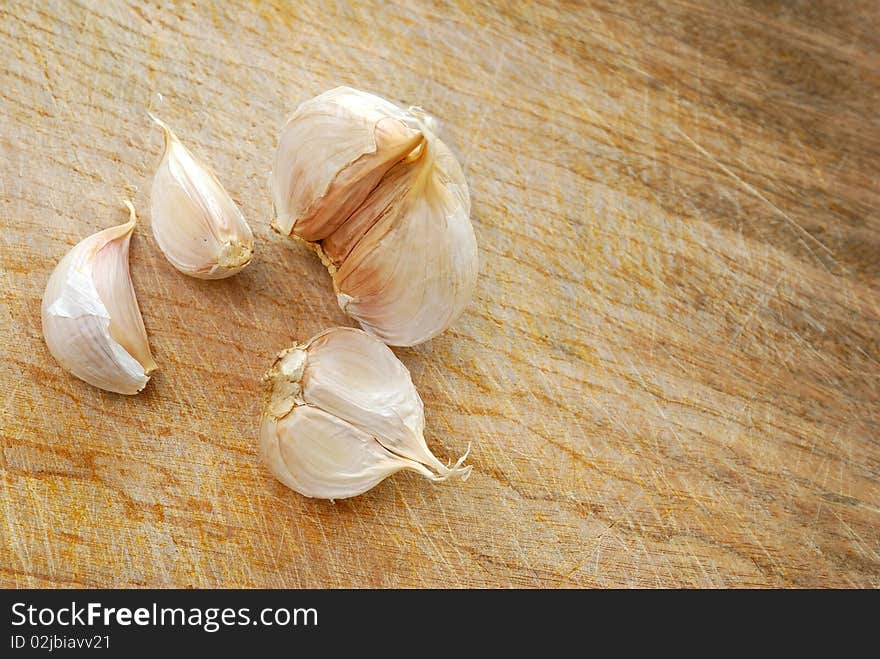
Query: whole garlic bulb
x=196 y=223
x=341 y=415
x=385 y=204
x=91 y=320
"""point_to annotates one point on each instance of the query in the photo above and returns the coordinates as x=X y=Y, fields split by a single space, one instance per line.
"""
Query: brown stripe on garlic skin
x=196 y=223
x=385 y=204
x=341 y=415
x=91 y=321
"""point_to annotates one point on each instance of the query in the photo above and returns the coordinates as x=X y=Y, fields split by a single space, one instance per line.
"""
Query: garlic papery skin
x=342 y=414
x=196 y=223
x=91 y=320
x=385 y=204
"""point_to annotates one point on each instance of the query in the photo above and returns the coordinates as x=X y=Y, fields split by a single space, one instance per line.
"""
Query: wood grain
x=669 y=373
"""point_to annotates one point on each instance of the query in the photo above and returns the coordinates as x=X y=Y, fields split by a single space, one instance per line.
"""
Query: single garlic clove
x=91 y=320
x=386 y=205
x=196 y=223
x=342 y=415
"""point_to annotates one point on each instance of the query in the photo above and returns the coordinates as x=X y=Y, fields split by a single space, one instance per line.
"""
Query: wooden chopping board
x=669 y=373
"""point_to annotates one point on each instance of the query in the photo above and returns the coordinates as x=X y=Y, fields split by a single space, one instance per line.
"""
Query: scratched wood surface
x=669 y=373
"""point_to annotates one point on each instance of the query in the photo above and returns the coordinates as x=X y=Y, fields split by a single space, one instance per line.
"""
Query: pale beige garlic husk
x=385 y=204
x=91 y=320
x=341 y=415
x=197 y=225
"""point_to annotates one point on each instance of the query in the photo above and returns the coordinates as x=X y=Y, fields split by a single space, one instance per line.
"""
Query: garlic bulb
x=197 y=225
x=342 y=414
x=91 y=320
x=385 y=204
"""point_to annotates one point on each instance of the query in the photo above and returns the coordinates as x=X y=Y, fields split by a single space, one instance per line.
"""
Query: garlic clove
x=91 y=320
x=342 y=415
x=387 y=210
x=331 y=153
x=196 y=223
